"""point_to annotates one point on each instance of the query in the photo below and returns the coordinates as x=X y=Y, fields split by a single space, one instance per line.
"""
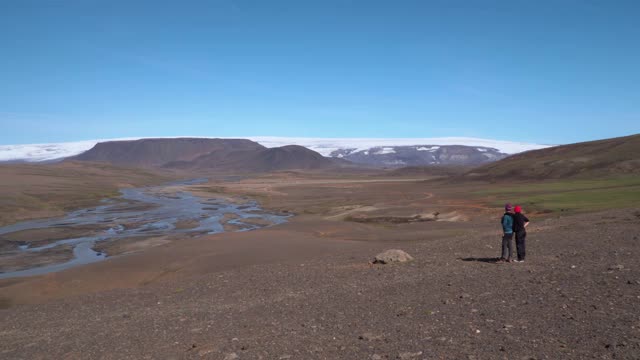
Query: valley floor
x=306 y=290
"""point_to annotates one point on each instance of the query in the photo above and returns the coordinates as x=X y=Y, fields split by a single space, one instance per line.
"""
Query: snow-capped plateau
x=331 y=147
x=326 y=146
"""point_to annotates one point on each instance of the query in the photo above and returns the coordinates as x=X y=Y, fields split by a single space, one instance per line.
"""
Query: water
x=140 y=212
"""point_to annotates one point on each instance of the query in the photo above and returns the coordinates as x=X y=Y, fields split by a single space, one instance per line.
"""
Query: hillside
x=602 y=158
x=260 y=160
x=157 y=152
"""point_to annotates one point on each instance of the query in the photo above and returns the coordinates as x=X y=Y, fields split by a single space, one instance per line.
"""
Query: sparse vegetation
x=567 y=195
x=34 y=191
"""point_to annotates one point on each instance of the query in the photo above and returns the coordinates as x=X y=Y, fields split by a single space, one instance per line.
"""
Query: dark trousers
x=507 y=248
x=521 y=236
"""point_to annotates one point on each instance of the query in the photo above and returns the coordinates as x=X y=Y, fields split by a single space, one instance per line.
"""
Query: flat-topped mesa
x=196 y=154
x=158 y=152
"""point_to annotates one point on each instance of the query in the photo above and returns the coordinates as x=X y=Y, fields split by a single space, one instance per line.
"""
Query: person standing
x=520 y=223
x=507 y=234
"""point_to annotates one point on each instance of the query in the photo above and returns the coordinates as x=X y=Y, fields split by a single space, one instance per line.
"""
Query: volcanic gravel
x=577 y=296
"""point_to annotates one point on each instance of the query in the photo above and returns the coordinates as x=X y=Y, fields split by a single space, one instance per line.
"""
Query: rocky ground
x=577 y=296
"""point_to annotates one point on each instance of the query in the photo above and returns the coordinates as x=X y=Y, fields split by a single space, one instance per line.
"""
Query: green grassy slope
x=566 y=195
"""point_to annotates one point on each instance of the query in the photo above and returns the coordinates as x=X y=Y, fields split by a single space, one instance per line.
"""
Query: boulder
x=392 y=256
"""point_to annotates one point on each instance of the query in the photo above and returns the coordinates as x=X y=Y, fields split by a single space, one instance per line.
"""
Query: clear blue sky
x=538 y=71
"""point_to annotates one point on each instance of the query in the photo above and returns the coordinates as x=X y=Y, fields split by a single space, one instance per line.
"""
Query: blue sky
x=536 y=71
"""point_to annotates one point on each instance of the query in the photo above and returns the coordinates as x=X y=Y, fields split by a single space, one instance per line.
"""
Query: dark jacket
x=518 y=222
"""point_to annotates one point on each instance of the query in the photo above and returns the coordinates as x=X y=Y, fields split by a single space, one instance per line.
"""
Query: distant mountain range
x=242 y=155
x=474 y=160
x=370 y=152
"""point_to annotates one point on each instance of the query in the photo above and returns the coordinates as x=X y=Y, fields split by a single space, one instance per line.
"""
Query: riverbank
x=138 y=219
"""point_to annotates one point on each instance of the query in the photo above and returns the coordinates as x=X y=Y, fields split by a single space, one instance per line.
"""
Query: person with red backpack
x=520 y=223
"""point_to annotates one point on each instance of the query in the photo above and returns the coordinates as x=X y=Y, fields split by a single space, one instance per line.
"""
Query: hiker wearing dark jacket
x=507 y=234
x=520 y=223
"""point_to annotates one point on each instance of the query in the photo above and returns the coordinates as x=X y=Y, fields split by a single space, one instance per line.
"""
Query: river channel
x=139 y=213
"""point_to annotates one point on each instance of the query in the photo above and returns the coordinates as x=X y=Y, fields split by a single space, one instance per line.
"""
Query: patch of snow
x=481 y=149
x=386 y=150
x=432 y=148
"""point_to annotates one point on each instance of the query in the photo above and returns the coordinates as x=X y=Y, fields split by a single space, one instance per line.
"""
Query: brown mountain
x=157 y=152
x=260 y=160
x=616 y=156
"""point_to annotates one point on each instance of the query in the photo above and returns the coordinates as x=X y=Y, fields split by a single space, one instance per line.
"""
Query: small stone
x=573 y=266
x=465 y=296
x=477 y=331
x=284 y=357
x=232 y=356
x=616 y=267
x=376 y=357
x=235 y=339
x=392 y=256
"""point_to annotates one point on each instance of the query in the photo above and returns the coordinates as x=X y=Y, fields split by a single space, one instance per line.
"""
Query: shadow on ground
x=481 y=259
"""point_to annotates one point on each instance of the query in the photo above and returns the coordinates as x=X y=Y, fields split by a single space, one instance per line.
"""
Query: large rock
x=392 y=256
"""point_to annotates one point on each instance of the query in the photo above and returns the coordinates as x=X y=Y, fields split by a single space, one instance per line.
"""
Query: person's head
x=518 y=209
x=508 y=207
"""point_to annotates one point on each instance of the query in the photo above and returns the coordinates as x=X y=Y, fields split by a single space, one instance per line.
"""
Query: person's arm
x=526 y=221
